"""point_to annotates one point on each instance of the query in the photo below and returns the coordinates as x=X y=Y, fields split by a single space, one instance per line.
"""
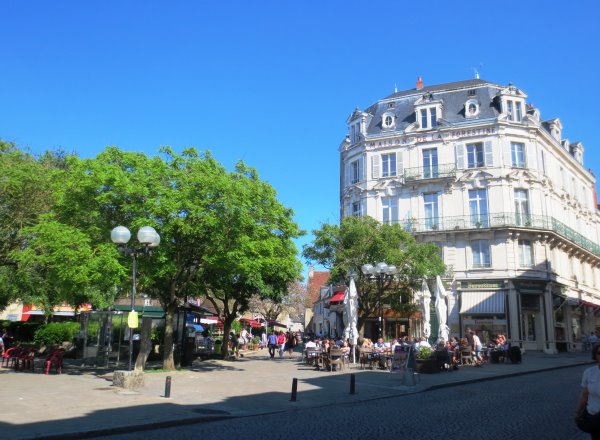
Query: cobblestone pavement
x=523 y=407
x=83 y=400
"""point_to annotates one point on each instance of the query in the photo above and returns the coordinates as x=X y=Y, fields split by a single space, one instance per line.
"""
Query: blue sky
x=272 y=82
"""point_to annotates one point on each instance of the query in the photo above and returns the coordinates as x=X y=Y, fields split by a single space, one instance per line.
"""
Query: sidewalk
x=83 y=400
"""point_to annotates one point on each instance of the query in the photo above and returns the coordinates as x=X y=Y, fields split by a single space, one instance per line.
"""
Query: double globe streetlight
x=381 y=273
x=148 y=239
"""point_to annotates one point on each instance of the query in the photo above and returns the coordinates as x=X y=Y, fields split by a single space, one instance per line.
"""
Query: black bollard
x=352 y=384
x=168 y=387
x=294 y=389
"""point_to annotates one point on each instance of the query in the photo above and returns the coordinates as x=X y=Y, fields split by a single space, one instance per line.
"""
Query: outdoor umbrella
x=426 y=313
x=441 y=309
x=351 y=312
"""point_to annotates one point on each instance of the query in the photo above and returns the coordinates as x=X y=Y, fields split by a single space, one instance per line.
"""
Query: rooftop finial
x=395 y=88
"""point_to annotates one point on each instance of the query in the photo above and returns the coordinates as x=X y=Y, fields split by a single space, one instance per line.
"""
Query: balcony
x=447 y=171
x=500 y=220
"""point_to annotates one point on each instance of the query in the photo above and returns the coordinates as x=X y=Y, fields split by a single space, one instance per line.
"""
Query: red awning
x=338 y=296
x=251 y=322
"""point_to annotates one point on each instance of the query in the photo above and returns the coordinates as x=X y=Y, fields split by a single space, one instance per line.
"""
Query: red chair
x=25 y=359
x=55 y=358
x=9 y=357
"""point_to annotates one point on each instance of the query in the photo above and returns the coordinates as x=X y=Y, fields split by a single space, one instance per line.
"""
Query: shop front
x=484 y=312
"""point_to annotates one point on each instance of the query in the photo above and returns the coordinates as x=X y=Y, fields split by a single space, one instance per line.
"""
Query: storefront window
x=487 y=328
x=528 y=326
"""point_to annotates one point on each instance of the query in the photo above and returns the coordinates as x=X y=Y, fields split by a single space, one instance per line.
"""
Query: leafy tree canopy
x=343 y=249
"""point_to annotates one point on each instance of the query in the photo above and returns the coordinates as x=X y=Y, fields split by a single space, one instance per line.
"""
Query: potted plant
x=426 y=361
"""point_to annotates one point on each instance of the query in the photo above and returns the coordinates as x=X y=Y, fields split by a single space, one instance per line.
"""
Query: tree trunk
x=225 y=345
x=145 y=344
x=168 y=359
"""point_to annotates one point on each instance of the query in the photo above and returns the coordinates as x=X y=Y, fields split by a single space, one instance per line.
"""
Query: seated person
x=379 y=348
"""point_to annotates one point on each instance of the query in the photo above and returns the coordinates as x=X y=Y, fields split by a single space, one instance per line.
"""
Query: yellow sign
x=132 y=320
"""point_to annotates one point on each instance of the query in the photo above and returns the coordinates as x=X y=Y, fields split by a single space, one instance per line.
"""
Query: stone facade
x=472 y=167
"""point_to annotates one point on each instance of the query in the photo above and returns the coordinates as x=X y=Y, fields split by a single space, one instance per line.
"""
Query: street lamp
x=148 y=239
x=381 y=273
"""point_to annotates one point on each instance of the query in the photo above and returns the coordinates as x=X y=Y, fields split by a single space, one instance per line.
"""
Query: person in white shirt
x=588 y=406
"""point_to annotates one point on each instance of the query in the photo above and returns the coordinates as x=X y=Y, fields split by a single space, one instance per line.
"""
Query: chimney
x=419 y=83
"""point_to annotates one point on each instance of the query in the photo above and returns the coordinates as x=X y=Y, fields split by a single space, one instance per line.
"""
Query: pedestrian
x=234 y=344
x=290 y=343
x=281 y=343
x=593 y=339
x=587 y=413
x=477 y=347
x=263 y=340
x=272 y=344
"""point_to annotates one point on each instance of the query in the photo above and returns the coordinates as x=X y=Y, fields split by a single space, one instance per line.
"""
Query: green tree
x=223 y=234
x=252 y=252
x=59 y=265
x=27 y=191
x=344 y=248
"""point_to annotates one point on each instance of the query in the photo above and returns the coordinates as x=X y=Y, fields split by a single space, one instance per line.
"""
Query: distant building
x=472 y=167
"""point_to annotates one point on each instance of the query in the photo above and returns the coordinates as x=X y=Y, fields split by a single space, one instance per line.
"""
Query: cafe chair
x=336 y=358
x=466 y=357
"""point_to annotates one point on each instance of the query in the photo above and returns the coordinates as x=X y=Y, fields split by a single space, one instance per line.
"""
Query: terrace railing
x=500 y=220
x=424 y=173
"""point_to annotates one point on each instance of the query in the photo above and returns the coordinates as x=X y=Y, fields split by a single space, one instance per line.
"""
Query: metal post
x=294 y=389
x=168 y=387
x=380 y=285
x=132 y=309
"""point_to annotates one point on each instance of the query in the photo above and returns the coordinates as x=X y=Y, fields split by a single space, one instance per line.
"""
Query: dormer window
x=428 y=117
x=514 y=110
x=513 y=103
x=471 y=108
x=388 y=120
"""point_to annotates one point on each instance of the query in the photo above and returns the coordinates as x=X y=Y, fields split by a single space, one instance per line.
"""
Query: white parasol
x=426 y=301
x=441 y=309
x=351 y=312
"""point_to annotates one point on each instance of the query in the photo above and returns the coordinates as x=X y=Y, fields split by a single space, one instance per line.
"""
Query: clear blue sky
x=272 y=82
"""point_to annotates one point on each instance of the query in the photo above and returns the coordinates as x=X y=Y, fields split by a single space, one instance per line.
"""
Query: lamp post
x=381 y=273
x=148 y=239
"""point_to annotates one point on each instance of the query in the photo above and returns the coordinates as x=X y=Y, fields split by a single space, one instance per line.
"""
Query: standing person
x=477 y=347
x=593 y=340
x=272 y=344
x=1 y=345
x=587 y=413
x=263 y=339
x=244 y=338
x=290 y=343
x=234 y=344
x=281 y=343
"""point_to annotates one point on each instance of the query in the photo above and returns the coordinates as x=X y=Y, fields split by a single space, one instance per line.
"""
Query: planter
x=427 y=366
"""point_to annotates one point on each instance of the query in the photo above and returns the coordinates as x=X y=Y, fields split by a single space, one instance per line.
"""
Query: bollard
x=294 y=389
x=352 y=384
x=168 y=387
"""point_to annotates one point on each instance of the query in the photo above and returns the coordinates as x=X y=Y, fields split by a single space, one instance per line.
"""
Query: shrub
x=424 y=353
x=56 y=333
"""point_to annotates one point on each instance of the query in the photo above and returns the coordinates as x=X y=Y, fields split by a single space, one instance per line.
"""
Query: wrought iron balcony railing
x=436 y=172
x=500 y=220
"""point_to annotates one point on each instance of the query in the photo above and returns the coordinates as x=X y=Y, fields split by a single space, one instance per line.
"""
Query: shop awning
x=155 y=312
x=337 y=296
x=251 y=322
x=196 y=327
x=482 y=303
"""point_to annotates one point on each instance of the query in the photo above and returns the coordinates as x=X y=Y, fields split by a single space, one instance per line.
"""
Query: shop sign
x=476 y=322
x=530 y=285
x=482 y=285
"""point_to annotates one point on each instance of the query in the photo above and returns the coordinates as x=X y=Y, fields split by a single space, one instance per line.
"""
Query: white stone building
x=472 y=167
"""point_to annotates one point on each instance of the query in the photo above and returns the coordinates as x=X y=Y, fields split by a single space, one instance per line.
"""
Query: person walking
x=587 y=412
x=290 y=343
x=272 y=344
x=477 y=347
x=281 y=339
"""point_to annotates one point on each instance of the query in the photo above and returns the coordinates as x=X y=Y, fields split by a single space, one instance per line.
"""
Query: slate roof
x=453 y=96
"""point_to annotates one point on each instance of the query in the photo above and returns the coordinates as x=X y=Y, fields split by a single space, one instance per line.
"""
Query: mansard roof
x=453 y=97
